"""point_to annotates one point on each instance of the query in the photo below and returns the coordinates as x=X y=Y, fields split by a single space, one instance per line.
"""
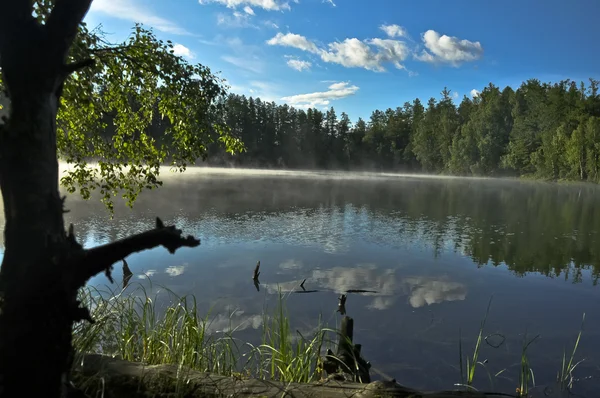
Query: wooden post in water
x=347 y=359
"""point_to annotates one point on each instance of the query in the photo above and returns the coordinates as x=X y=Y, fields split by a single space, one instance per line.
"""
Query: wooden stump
x=347 y=359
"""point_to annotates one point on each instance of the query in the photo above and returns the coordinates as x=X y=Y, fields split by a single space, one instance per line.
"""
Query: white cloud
x=352 y=53
x=182 y=51
x=293 y=40
x=474 y=93
x=330 y=2
x=130 y=11
x=248 y=10
x=394 y=31
x=298 y=64
x=370 y=55
x=455 y=95
x=338 y=85
x=269 y=5
x=336 y=91
x=448 y=49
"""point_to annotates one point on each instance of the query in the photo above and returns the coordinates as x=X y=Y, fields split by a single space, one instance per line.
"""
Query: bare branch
x=101 y=258
x=63 y=23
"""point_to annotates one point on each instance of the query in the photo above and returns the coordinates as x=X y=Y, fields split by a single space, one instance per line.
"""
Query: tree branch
x=68 y=69
x=101 y=258
x=75 y=66
x=63 y=23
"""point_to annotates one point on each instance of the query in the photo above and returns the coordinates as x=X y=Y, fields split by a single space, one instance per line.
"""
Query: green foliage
x=541 y=130
x=107 y=113
x=139 y=107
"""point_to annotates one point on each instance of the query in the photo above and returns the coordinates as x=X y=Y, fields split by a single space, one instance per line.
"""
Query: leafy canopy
x=107 y=113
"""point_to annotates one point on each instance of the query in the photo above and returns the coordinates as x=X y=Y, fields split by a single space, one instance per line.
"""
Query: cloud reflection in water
x=385 y=284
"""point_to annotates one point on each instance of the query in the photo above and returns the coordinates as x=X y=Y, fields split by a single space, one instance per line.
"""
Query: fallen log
x=116 y=378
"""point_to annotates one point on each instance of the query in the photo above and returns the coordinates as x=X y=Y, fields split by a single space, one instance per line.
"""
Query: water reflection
x=425 y=291
x=430 y=252
x=530 y=227
x=175 y=270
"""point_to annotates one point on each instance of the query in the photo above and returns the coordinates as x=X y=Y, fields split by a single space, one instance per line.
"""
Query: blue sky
x=358 y=56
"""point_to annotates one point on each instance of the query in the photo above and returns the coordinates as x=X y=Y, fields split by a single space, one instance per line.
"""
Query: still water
x=433 y=250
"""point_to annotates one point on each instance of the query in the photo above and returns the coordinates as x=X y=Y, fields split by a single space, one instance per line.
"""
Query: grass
x=526 y=377
x=565 y=374
x=131 y=325
x=468 y=374
x=288 y=360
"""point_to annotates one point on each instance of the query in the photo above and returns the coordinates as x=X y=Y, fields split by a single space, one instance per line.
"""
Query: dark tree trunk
x=43 y=267
x=35 y=327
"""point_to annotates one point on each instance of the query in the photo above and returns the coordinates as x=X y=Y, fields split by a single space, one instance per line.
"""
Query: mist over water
x=434 y=251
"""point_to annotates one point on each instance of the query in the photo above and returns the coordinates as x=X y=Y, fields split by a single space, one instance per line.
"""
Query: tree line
x=541 y=130
x=544 y=130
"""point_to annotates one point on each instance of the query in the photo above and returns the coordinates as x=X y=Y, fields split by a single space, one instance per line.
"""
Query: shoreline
x=178 y=337
x=169 y=172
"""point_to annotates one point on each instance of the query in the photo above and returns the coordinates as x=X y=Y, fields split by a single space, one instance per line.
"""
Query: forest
x=541 y=130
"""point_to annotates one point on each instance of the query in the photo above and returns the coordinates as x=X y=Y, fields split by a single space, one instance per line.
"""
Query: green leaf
x=138 y=108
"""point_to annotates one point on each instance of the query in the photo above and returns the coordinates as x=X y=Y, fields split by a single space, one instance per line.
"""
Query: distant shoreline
x=332 y=174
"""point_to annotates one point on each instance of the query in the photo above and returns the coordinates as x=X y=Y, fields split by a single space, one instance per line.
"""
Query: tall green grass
x=467 y=373
x=565 y=374
x=290 y=357
x=526 y=375
x=131 y=326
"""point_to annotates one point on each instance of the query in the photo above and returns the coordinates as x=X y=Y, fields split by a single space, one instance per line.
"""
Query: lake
x=433 y=250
